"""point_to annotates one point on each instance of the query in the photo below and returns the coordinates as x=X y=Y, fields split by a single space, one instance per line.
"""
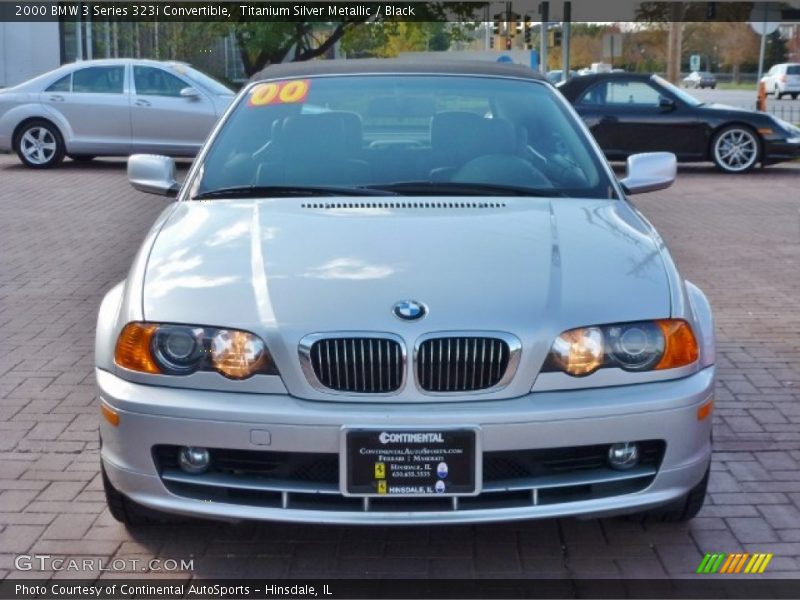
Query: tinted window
x=373 y=130
x=156 y=82
x=793 y=70
x=621 y=92
x=99 y=80
x=62 y=85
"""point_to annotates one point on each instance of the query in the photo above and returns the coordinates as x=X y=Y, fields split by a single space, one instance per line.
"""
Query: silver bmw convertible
x=394 y=293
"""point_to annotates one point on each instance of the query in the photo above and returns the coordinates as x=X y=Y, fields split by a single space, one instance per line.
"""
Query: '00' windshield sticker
x=293 y=91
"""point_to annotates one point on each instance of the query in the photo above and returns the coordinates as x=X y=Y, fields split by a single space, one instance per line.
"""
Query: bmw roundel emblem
x=409 y=310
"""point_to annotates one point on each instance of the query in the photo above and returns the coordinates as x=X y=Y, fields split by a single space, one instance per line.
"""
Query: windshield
x=683 y=95
x=439 y=133
x=205 y=81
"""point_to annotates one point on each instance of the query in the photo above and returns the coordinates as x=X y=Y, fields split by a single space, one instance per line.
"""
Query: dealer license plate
x=410 y=462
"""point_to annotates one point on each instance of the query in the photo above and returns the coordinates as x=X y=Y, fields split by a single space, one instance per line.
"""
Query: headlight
x=639 y=346
x=183 y=349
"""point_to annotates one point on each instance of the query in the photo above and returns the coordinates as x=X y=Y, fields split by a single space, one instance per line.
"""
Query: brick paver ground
x=68 y=235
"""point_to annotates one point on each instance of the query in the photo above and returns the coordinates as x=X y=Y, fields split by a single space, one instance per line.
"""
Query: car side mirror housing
x=153 y=174
x=649 y=171
x=665 y=103
x=190 y=93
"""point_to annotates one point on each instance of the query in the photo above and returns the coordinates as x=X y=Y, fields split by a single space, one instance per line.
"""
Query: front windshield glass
x=441 y=133
x=682 y=94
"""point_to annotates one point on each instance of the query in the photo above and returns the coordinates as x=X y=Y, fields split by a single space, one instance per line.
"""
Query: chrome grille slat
x=461 y=364
x=349 y=364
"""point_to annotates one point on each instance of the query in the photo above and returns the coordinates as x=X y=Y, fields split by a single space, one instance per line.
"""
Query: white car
x=783 y=80
x=426 y=300
x=113 y=107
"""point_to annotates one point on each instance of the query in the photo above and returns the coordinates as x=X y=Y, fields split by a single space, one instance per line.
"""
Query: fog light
x=194 y=460
x=623 y=456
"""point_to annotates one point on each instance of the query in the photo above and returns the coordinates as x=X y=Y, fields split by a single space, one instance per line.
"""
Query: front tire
x=39 y=144
x=681 y=510
x=735 y=149
x=128 y=512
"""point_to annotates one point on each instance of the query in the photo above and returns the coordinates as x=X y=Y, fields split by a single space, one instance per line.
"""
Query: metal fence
x=787 y=112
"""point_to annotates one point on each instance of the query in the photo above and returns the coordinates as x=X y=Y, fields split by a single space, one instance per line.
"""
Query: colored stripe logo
x=742 y=562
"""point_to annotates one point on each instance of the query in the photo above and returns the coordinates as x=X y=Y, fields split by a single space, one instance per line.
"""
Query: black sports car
x=630 y=113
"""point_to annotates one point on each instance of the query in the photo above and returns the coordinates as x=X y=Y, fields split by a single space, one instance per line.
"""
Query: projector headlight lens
x=637 y=346
x=168 y=349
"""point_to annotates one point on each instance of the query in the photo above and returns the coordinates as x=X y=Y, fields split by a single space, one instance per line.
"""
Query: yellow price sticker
x=279 y=92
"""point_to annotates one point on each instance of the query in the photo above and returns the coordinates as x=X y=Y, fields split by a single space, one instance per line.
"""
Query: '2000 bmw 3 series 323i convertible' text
x=397 y=293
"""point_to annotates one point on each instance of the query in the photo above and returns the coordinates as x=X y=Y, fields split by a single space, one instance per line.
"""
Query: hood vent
x=402 y=205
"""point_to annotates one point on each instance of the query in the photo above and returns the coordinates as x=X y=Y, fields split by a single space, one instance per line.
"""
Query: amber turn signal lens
x=133 y=348
x=680 y=344
x=705 y=410
x=110 y=414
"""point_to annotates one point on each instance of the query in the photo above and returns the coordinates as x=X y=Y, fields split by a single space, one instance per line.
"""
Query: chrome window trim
x=307 y=342
x=515 y=355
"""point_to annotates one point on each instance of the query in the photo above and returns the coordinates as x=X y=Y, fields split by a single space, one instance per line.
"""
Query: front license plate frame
x=413 y=465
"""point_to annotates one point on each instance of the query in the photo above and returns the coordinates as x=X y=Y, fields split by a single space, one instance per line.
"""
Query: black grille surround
x=305 y=480
x=461 y=364
x=357 y=364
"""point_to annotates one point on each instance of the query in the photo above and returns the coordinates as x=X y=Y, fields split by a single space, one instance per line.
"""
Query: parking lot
x=67 y=235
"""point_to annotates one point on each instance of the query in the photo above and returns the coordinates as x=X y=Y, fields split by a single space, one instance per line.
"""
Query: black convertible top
x=575 y=86
x=399 y=66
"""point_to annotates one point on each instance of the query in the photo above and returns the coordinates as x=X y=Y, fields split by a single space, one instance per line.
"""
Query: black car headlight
x=637 y=346
x=168 y=349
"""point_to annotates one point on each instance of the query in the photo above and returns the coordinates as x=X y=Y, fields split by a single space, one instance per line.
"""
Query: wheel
x=778 y=95
x=794 y=96
x=128 y=512
x=81 y=157
x=713 y=86
x=735 y=149
x=681 y=510
x=39 y=145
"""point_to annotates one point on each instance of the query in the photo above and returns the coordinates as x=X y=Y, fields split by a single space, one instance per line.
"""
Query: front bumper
x=152 y=416
x=780 y=150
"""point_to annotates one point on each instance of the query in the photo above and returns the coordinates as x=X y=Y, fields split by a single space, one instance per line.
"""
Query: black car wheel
x=735 y=149
x=128 y=512
x=681 y=510
x=39 y=145
x=794 y=96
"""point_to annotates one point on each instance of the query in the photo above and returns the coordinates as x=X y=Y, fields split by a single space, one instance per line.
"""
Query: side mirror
x=665 y=103
x=190 y=93
x=649 y=172
x=153 y=174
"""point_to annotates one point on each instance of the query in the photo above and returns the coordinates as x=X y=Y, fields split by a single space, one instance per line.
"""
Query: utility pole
x=508 y=26
x=674 y=42
x=566 y=31
x=544 y=11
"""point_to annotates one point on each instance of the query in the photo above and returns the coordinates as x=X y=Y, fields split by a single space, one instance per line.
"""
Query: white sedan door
x=94 y=103
x=164 y=121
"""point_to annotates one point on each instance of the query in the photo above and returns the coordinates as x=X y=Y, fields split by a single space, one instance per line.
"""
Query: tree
x=264 y=43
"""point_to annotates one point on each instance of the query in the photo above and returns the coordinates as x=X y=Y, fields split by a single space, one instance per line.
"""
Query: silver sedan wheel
x=735 y=150
x=39 y=145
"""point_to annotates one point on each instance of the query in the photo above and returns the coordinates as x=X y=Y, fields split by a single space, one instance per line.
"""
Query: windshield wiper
x=287 y=191
x=452 y=188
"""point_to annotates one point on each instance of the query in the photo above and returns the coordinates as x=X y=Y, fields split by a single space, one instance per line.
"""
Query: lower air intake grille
x=368 y=365
x=459 y=364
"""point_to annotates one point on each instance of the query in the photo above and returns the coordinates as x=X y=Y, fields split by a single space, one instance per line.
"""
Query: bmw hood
x=286 y=268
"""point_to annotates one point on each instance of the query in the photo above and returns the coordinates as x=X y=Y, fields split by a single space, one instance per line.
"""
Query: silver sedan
x=111 y=107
